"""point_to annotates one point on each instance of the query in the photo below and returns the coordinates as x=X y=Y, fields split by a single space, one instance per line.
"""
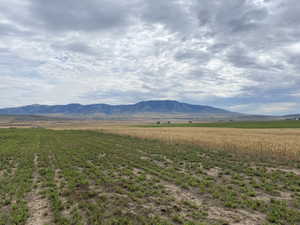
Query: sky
x=241 y=55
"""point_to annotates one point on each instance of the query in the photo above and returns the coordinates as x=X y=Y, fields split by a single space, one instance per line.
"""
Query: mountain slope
x=159 y=107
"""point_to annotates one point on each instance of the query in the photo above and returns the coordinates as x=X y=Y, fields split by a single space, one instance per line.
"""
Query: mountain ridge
x=152 y=106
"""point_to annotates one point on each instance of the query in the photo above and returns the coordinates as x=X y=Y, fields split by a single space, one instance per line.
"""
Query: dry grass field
x=262 y=142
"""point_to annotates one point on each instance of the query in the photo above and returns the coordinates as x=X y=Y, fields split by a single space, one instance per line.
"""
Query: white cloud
x=206 y=55
x=277 y=108
x=293 y=48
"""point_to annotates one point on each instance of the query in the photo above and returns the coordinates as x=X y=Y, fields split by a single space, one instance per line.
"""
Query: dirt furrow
x=39 y=207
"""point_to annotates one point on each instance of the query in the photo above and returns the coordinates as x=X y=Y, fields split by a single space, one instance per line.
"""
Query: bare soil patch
x=213 y=172
x=238 y=217
x=39 y=207
x=182 y=195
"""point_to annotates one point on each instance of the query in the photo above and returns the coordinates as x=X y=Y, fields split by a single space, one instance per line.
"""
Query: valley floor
x=89 y=177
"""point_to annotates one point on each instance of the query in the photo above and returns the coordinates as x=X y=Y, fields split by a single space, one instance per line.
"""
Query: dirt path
x=39 y=207
x=236 y=217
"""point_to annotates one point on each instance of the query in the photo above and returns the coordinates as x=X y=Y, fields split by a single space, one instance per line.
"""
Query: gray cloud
x=230 y=16
x=76 y=15
x=14 y=65
x=122 y=96
x=289 y=13
x=11 y=30
x=294 y=60
x=223 y=53
x=242 y=58
x=175 y=15
x=198 y=56
x=77 y=47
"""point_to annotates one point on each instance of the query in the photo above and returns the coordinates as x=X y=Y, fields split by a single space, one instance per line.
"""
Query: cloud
x=224 y=53
x=218 y=16
x=77 y=47
x=175 y=15
x=281 y=108
x=7 y=29
x=76 y=15
x=187 y=55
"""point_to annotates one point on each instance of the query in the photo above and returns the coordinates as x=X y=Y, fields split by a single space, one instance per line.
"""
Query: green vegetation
x=87 y=177
x=243 y=124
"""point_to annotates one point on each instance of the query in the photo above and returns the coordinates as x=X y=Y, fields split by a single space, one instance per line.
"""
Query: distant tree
x=158 y=122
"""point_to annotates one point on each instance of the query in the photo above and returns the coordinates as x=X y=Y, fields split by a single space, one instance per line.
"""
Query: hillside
x=145 y=107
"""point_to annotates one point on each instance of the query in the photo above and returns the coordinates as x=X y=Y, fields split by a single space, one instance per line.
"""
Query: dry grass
x=275 y=142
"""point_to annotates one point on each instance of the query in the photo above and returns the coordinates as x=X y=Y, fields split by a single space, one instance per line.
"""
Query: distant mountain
x=145 y=107
x=292 y=116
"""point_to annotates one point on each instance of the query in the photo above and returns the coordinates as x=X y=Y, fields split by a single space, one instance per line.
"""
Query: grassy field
x=88 y=177
x=242 y=124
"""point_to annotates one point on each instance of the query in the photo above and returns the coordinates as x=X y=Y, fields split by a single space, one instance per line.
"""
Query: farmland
x=240 y=124
x=89 y=177
x=261 y=143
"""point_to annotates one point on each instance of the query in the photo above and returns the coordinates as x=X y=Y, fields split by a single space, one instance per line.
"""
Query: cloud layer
x=242 y=55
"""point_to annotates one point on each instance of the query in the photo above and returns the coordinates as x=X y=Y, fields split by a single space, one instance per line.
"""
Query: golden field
x=280 y=142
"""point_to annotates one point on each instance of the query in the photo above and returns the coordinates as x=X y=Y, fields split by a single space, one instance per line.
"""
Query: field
x=275 y=139
x=280 y=144
x=241 y=124
x=89 y=177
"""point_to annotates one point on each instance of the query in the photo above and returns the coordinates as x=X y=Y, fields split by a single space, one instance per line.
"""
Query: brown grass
x=269 y=142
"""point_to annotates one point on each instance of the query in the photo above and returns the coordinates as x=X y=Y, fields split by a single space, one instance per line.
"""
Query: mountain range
x=145 y=107
x=154 y=109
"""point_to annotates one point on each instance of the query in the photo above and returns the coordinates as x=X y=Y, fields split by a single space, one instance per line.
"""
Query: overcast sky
x=241 y=55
